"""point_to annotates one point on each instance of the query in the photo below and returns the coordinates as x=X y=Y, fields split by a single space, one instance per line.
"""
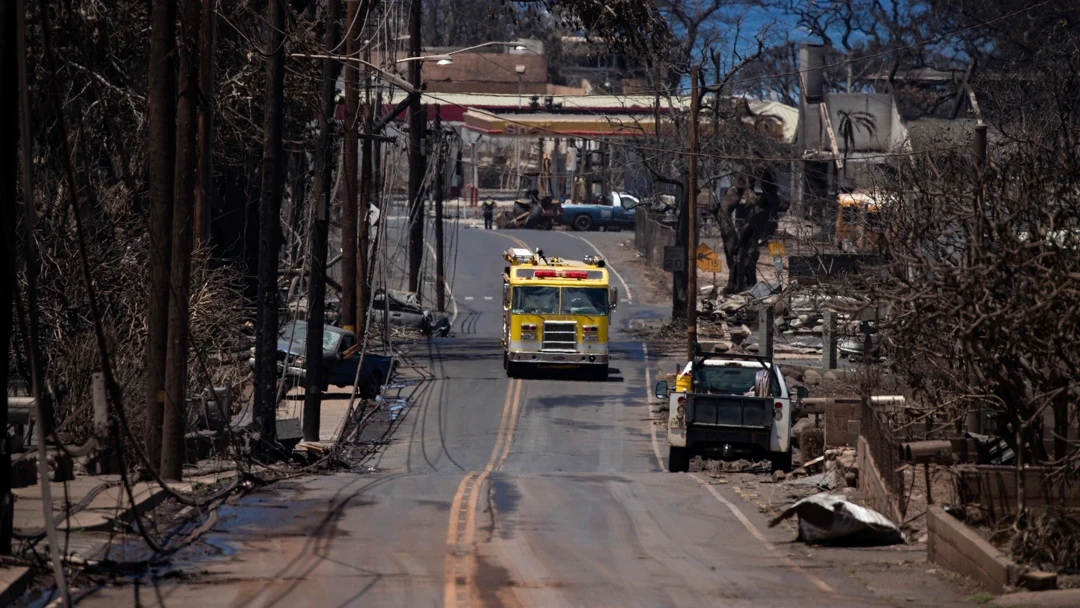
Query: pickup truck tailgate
x=729 y=410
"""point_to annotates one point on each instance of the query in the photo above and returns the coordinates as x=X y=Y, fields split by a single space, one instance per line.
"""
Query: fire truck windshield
x=554 y=300
x=584 y=301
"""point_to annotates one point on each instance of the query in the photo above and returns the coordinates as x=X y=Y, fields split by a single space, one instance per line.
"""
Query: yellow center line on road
x=460 y=564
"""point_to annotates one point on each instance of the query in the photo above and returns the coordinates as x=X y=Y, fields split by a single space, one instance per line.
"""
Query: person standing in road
x=489 y=213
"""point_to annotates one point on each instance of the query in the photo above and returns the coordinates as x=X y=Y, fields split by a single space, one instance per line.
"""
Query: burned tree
x=980 y=272
x=757 y=199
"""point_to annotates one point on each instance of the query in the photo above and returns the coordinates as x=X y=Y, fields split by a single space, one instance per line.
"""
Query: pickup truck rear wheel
x=583 y=223
x=781 y=461
x=371 y=386
x=678 y=460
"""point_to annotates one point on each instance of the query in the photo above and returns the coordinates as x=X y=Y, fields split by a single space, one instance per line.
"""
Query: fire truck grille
x=560 y=336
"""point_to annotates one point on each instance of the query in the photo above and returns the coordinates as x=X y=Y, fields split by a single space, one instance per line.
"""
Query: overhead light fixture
x=444 y=62
x=520 y=47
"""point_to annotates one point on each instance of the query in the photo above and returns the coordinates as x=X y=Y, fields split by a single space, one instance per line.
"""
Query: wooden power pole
x=363 y=289
x=265 y=406
x=416 y=154
x=175 y=420
x=9 y=168
x=320 y=226
x=691 y=218
x=440 y=275
x=350 y=164
x=204 y=190
x=161 y=127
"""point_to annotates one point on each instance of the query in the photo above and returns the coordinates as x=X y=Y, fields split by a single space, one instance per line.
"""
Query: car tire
x=781 y=461
x=678 y=459
x=583 y=223
x=371 y=386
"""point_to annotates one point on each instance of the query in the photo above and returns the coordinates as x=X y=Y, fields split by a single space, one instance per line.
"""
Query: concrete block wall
x=953 y=545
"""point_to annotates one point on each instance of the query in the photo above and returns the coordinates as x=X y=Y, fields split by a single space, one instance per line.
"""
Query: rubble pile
x=798 y=316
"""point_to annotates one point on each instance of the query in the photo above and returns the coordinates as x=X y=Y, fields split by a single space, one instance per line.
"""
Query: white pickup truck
x=729 y=405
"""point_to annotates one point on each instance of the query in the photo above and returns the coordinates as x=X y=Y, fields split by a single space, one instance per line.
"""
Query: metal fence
x=885 y=450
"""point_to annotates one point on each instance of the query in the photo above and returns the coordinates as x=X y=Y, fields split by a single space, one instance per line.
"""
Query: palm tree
x=851 y=121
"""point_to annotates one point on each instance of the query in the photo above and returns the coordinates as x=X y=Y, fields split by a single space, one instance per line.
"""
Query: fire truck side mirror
x=614 y=297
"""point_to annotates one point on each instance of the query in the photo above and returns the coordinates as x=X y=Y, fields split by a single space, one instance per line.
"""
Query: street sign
x=707 y=260
x=674 y=259
x=777 y=249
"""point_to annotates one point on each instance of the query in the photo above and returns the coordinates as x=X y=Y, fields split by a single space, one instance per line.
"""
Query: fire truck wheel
x=600 y=374
x=512 y=370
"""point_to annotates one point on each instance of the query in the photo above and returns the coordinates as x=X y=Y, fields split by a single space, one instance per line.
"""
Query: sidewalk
x=1061 y=598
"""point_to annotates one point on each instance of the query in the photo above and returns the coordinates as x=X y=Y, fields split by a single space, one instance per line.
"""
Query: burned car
x=341 y=358
x=406 y=311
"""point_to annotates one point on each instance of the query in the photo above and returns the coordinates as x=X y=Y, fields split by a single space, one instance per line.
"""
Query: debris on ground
x=715 y=467
x=1049 y=541
x=830 y=519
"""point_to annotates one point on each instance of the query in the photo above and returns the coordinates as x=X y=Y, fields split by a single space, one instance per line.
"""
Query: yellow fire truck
x=555 y=313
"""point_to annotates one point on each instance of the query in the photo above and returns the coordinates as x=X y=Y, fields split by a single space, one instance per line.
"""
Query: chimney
x=811 y=72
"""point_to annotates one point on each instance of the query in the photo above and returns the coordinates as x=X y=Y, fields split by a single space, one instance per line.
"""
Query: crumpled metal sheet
x=831 y=519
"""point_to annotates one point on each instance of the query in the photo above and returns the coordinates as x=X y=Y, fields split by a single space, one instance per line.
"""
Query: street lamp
x=443 y=59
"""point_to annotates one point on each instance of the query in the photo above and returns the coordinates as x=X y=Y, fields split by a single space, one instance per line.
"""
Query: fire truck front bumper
x=553 y=358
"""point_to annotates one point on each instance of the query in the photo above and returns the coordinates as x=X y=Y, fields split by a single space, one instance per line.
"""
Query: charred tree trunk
x=175 y=419
x=162 y=148
x=265 y=406
x=742 y=244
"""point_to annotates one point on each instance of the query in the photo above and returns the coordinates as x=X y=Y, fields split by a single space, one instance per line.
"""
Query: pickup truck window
x=734 y=380
x=297 y=333
x=584 y=301
x=536 y=300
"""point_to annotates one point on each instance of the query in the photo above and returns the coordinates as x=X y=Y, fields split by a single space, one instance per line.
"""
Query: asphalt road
x=542 y=492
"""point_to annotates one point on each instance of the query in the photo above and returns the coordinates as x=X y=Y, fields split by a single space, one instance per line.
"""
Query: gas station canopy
x=558 y=125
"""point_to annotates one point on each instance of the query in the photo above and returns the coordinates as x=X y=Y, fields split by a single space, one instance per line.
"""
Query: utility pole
x=204 y=191
x=187 y=129
x=320 y=226
x=362 y=235
x=9 y=168
x=416 y=154
x=161 y=128
x=691 y=218
x=350 y=146
x=265 y=406
x=440 y=276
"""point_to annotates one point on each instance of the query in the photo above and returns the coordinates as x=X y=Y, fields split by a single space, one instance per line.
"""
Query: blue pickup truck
x=339 y=359
x=618 y=212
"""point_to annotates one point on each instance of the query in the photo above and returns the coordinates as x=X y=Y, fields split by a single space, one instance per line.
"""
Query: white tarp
x=831 y=519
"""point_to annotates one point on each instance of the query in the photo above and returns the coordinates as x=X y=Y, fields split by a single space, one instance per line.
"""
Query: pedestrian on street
x=489 y=213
